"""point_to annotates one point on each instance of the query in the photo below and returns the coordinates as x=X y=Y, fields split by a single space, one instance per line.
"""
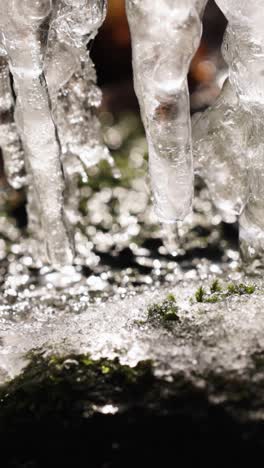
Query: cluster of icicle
x=50 y=131
x=225 y=142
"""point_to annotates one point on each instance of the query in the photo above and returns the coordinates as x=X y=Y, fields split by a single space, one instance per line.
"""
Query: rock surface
x=122 y=374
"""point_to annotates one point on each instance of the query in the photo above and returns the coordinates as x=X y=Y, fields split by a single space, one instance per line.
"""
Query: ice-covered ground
x=125 y=262
x=219 y=337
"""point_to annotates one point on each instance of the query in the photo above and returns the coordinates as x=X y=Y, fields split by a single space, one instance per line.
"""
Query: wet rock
x=108 y=383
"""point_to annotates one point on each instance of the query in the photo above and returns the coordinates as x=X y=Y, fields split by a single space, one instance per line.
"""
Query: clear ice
x=54 y=132
x=228 y=137
x=165 y=36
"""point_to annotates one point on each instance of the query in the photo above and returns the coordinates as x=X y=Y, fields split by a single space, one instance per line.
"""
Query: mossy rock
x=78 y=412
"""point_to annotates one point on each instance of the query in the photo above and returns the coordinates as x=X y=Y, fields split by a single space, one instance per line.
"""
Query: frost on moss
x=240 y=289
x=217 y=292
x=200 y=294
x=215 y=287
x=165 y=312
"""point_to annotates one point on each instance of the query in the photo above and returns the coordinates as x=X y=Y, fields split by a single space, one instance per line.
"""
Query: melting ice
x=50 y=134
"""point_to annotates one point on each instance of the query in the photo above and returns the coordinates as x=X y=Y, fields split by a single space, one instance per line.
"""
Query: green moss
x=250 y=289
x=171 y=297
x=212 y=299
x=218 y=292
x=231 y=289
x=215 y=287
x=240 y=289
x=200 y=294
x=72 y=383
x=52 y=415
x=164 y=312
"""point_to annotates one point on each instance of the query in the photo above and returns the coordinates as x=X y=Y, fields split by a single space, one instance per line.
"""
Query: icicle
x=165 y=36
x=45 y=44
x=9 y=139
x=220 y=137
x=228 y=137
x=20 y=23
x=245 y=56
x=71 y=79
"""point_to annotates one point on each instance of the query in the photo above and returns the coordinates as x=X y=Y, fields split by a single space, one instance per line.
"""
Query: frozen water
x=123 y=262
x=216 y=338
x=246 y=75
x=165 y=37
x=71 y=80
x=228 y=137
x=43 y=44
x=20 y=28
x=50 y=134
x=99 y=305
x=220 y=137
x=9 y=139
